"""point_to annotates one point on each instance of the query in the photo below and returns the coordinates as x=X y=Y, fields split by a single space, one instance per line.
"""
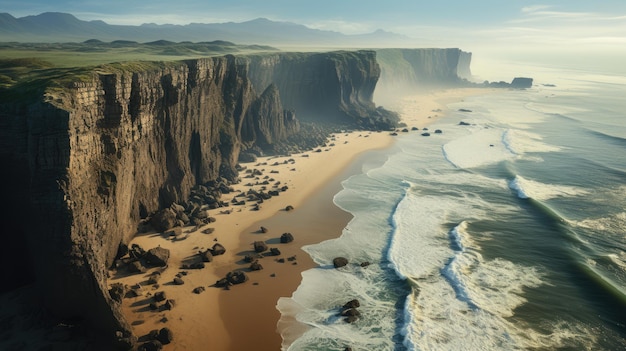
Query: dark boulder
x=264 y=230
x=159 y=296
x=438 y=131
x=198 y=290
x=289 y=208
x=136 y=252
x=246 y=157
x=178 y=281
x=426 y=134
x=286 y=238
x=236 y=277
x=365 y=264
x=340 y=262
x=206 y=256
x=256 y=266
x=157 y=256
x=463 y=123
x=164 y=220
x=260 y=246
x=222 y=283
x=352 y=304
x=165 y=336
x=350 y=312
x=218 y=249
x=168 y=305
x=274 y=251
x=152 y=345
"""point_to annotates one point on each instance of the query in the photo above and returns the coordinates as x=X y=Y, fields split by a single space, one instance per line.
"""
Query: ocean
x=504 y=232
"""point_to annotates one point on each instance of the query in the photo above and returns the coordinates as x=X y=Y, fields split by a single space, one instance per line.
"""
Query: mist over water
x=505 y=234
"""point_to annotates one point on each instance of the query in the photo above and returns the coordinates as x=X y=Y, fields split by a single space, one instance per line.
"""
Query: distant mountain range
x=64 y=27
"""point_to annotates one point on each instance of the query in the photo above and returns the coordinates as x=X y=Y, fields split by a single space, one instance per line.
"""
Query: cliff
x=405 y=70
x=90 y=156
x=335 y=87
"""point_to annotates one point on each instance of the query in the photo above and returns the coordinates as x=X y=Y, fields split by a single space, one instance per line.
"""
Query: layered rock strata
x=87 y=161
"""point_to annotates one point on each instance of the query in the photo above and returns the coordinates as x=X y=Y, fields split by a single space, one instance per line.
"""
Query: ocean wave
x=530 y=189
x=520 y=142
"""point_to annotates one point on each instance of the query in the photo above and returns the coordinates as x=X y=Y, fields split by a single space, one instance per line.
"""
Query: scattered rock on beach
x=152 y=345
x=206 y=256
x=340 y=262
x=198 y=290
x=157 y=256
x=286 y=238
x=218 y=249
x=164 y=220
x=159 y=296
x=165 y=336
x=274 y=251
x=289 y=208
x=236 y=277
x=263 y=230
x=260 y=246
x=178 y=281
x=256 y=266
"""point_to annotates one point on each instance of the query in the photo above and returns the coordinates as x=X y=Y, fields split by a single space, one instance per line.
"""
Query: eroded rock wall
x=406 y=70
x=91 y=159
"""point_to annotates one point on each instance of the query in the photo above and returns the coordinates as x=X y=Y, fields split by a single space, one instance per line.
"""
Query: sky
x=563 y=28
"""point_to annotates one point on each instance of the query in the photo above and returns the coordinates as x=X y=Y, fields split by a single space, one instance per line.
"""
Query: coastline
x=245 y=316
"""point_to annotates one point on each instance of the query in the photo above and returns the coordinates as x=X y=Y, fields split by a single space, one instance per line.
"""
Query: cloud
x=535 y=8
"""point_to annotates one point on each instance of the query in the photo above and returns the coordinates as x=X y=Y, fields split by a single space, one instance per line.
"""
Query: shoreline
x=245 y=316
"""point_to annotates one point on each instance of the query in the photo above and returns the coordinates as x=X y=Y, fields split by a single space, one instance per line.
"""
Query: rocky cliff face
x=88 y=161
x=335 y=87
x=405 y=70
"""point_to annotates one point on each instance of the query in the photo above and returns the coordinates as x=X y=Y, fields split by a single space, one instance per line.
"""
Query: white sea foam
x=481 y=147
x=527 y=188
x=615 y=223
x=520 y=142
x=467 y=306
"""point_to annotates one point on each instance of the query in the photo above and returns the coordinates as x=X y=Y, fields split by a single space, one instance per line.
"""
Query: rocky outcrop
x=89 y=159
x=335 y=87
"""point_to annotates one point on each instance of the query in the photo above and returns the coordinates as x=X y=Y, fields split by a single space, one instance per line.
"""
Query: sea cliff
x=91 y=154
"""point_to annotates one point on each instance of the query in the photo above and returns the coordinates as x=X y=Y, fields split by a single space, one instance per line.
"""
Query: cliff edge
x=93 y=153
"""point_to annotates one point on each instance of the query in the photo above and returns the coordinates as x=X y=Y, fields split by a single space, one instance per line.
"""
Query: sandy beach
x=244 y=317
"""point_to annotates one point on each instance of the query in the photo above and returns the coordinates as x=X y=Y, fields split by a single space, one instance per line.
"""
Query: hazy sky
x=518 y=26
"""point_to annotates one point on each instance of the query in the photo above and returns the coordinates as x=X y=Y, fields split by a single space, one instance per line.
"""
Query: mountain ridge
x=60 y=26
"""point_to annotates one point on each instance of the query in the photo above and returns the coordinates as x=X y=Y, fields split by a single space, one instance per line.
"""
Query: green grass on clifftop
x=28 y=69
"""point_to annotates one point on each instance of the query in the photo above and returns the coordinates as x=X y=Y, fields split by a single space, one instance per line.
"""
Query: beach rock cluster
x=350 y=312
x=137 y=260
x=157 y=338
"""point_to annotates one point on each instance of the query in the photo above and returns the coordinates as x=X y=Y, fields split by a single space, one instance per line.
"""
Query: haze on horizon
x=571 y=32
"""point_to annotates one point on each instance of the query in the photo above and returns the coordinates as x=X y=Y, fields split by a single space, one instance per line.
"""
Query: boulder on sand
x=286 y=238
x=260 y=246
x=164 y=220
x=236 y=277
x=157 y=256
x=218 y=249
